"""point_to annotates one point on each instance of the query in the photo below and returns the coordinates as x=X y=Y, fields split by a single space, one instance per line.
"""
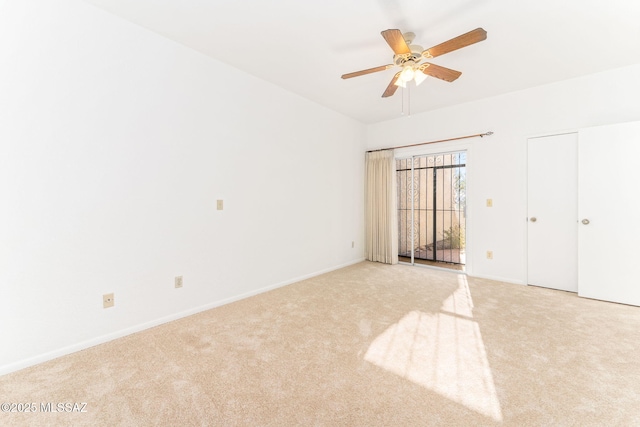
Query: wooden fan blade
x=456 y=43
x=396 y=41
x=391 y=89
x=367 y=71
x=442 y=73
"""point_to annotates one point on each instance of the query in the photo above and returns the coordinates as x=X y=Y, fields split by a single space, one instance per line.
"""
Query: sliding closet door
x=552 y=204
x=609 y=204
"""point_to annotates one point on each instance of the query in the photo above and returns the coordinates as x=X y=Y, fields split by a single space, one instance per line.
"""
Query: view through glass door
x=432 y=209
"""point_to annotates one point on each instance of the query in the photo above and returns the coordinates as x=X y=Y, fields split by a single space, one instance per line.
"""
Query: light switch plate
x=220 y=204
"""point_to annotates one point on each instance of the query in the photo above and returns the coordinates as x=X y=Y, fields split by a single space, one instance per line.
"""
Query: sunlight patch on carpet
x=443 y=352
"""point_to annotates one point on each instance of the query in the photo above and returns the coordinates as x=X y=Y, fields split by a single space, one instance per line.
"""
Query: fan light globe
x=400 y=83
x=407 y=74
x=420 y=77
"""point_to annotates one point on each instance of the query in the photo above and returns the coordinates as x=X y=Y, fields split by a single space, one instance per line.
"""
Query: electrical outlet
x=220 y=204
x=489 y=254
x=107 y=300
x=489 y=203
x=178 y=282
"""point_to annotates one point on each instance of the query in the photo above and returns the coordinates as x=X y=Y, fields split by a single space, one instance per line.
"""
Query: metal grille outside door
x=431 y=208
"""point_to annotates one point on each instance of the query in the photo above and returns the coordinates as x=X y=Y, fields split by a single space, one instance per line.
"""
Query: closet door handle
x=533 y=219
x=585 y=221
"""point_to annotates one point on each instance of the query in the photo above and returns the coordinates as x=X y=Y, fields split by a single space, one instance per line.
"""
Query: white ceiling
x=305 y=46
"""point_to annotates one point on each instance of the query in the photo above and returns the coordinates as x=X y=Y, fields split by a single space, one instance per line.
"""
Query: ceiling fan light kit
x=409 y=58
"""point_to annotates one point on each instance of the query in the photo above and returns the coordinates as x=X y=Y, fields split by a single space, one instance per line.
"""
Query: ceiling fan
x=409 y=57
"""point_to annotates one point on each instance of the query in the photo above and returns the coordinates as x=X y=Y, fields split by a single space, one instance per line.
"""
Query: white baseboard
x=45 y=357
x=498 y=279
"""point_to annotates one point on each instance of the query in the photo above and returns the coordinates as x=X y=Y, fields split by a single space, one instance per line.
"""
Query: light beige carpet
x=368 y=345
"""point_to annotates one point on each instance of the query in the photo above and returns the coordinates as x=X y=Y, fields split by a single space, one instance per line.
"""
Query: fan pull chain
x=408 y=100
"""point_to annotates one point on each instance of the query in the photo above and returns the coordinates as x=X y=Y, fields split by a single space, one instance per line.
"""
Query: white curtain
x=380 y=207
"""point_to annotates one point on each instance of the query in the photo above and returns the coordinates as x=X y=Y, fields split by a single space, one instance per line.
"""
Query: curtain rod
x=481 y=135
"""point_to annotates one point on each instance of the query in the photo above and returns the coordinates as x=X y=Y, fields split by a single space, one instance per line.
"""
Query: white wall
x=115 y=144
x=497 y=163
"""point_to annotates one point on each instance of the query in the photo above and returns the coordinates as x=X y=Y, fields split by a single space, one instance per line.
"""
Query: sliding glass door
x=432 y=209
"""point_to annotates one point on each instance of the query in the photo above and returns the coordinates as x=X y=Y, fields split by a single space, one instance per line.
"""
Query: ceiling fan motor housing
x=401 y=59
